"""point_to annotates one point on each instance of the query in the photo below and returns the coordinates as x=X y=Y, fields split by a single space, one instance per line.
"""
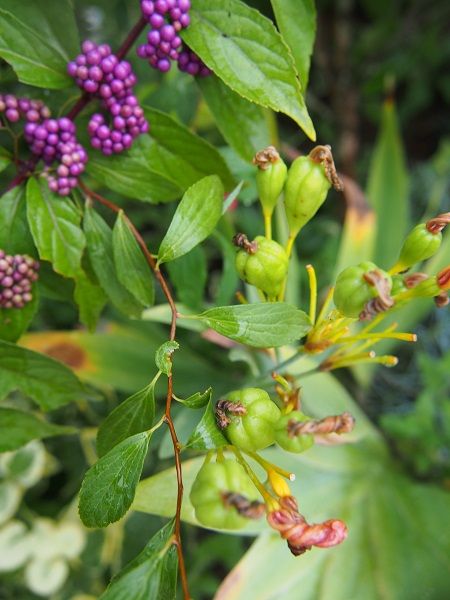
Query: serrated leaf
x=207 y=435
x=265 y=325
x=180 y=155
x=296 y=20
x=152 y=574
x=387 y=189
x=100 y=247
x=15 y=236
x=90 y=299
x=132 y=268
x=38 y=39
x=163 y=356
x=246 y=51
x=188 y=274
x=133 y=175
x=109 y=486
x=134 y=415
x=244 y=125
x=55 y=226
x=15 y=321
x=18 y=428
x=195 y=218
x=48 y=382
x=197 y=400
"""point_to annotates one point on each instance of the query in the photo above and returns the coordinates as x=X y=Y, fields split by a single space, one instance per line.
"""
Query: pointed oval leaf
x=244 y=125
x=100 y=246
x=207 y=435
x=152 y=574
x=132 y=268
x=296 y=20
x=163 y=356
x=265 y=325
x=246 y=51
x=134 y=415
x=15 y=236
x=18 y=428
x=109 y=486
x=197 y=400
x=55 y=226
x=48 y=382
x=38 y=39
x=195 y=218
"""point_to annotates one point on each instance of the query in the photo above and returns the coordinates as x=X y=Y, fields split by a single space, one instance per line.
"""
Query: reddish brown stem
x=167 y=415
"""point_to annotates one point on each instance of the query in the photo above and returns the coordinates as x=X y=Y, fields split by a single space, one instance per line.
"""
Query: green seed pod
x=262 y=263
x=270 y=178
x=309 y=179
x=419 y=245
x=285 y=433
x=352 y=291
x=213 y=481
x=250 y=417
x=398 y=285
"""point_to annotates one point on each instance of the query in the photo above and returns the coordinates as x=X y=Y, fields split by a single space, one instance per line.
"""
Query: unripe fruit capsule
x=262 y=263
x=270 y=178
x=251 y=428
x=419 y=245
x=213 y=481
x=285 y=433
x=353 y=291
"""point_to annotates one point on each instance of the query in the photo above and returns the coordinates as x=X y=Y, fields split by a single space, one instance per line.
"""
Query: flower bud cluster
x=98 y=71
x=55 y=140
x=17 y=274
x=15 y=109
x=166 y=19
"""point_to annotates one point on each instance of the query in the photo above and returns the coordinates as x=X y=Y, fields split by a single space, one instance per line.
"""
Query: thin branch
x=167 y=415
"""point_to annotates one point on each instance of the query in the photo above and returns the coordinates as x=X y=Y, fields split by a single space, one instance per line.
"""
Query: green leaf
x=18 y=428
x=195 y=218
x=90 y=299
x=265 y=325
x=134 y=415
x=15 y=321
x=152 y=574
x=38 y=39
x=132 y=268
x=133 y=174
x=15 y=236
x=109 y=486
x=5 y=161
x=48 y=382
x=388 y=189
x=100 y=246
x=296 y=20
x=180 y=155
x=393 y=523
x=197 y=400
x=244 y=125
x=188 y=274
x=163 y=356
x=207 y=435
x=55 y=226
x=246 y=51
x=229 y=278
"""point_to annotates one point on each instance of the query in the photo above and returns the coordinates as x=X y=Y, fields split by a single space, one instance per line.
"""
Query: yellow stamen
x=312 y=292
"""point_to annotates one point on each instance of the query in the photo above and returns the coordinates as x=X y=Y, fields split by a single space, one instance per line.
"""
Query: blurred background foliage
x=378 y=92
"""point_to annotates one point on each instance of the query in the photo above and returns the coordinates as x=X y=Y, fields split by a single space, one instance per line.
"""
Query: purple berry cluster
x=23 y=108
x=17 y=274
x=55 y=140
x=98 y=71
x=191 y=63
x=166 y=19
